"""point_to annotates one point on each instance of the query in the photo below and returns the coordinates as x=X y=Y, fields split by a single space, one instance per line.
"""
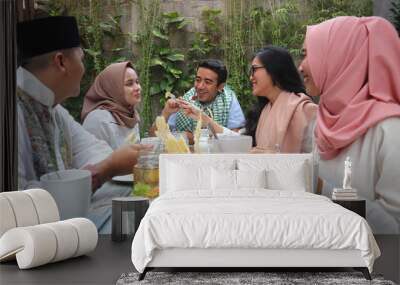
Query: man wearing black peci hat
x=49 y=138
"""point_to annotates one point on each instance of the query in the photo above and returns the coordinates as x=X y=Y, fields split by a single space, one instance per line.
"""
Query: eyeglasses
x=253 y=69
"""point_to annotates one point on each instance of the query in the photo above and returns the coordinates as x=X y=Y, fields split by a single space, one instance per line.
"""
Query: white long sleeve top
x=86 y=149
x=375 y=174
x=103 y=125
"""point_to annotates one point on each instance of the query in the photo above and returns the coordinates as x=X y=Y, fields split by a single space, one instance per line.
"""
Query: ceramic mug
x=71 y=189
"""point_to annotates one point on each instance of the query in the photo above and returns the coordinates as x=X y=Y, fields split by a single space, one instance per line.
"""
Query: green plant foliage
x=95 y=28
x=321 y=10
x=149 y=12
x=167 y=63
x=395 y=10
x=206 y=43
x=161 y=65
x=237 y=38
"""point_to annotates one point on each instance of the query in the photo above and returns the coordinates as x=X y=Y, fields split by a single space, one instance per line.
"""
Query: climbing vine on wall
x=149 y=11
x=164 y=63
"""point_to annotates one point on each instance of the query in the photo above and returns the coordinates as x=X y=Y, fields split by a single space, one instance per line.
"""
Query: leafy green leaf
x=171 y=15
x=163 y=85
x=175 y=72
x=156 y=61
x=164 y=51
x=175 y=20
x=183 y=24
x=91 y=52
x=158 y=34
x=155 y=89
x=176 y=57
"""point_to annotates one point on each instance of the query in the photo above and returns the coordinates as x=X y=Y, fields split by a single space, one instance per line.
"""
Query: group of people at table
x=351 y=64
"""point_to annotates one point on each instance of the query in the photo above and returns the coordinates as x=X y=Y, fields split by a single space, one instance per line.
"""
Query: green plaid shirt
x=218 y=109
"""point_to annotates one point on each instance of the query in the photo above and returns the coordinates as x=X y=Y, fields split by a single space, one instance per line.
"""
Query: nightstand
x=127 y=212
x=357 y=206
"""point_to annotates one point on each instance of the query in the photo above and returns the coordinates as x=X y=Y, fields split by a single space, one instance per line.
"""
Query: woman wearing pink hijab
x=353 y=64
x=109 y=107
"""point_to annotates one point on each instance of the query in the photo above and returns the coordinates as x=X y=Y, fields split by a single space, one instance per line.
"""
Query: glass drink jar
x=146 y=175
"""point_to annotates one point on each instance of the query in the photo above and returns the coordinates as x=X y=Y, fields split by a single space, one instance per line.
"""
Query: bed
x=247 y=210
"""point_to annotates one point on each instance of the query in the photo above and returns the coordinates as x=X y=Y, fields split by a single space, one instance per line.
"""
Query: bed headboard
x=172 y=164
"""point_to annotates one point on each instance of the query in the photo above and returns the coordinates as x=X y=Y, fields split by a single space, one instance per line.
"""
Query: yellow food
x=169 y=95
x=196 y=135
x=172 y=145
x=183 y=147
x=162 y=128
x=131 y=138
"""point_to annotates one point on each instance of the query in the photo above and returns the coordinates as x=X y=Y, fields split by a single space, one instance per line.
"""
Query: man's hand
x=171 y=106
x=193 y=112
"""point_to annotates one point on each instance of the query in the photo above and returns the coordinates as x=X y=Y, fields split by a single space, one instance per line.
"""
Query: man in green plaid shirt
x=211 y=95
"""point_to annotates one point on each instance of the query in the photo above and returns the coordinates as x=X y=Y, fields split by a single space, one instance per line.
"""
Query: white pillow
x=223 y=179
x=293 y=177
x=251 y=178
x=183 y=177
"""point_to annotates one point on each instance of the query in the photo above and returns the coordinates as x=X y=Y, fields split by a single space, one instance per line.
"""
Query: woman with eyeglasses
x=353 y=65
x=280 y=119
x=109 y=108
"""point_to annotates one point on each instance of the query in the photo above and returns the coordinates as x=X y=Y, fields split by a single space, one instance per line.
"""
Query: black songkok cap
x=40 y=36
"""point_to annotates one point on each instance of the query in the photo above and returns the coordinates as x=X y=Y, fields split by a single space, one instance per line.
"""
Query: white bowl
x=232 y=144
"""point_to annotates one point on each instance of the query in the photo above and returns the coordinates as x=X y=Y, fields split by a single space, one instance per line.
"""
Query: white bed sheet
x=252 y=218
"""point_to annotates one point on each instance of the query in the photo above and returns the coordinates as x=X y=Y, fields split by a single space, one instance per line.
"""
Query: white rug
x=240 y=278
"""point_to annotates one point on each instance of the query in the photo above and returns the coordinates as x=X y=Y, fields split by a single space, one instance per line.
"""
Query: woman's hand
x=193 y=112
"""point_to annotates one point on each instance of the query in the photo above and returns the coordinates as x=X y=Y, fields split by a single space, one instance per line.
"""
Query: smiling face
x=132 y=87
x=206 y=85
x=305 y=71
x=261 y=81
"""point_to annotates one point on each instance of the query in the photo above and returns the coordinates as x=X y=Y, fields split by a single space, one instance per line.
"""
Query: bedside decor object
x=346 y=192
x=127 y=212
x=32 y=233
x=46 y=243
x=26 y=208
x=347 y=174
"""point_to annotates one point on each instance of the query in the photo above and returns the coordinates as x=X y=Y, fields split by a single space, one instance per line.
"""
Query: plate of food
x=123 y=178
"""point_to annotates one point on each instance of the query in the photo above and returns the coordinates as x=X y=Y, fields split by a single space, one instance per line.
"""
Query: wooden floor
x=111 y=259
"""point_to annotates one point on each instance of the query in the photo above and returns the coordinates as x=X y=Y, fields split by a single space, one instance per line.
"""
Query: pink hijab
x=285 y=122
x=107 y=93
x=355 y=63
